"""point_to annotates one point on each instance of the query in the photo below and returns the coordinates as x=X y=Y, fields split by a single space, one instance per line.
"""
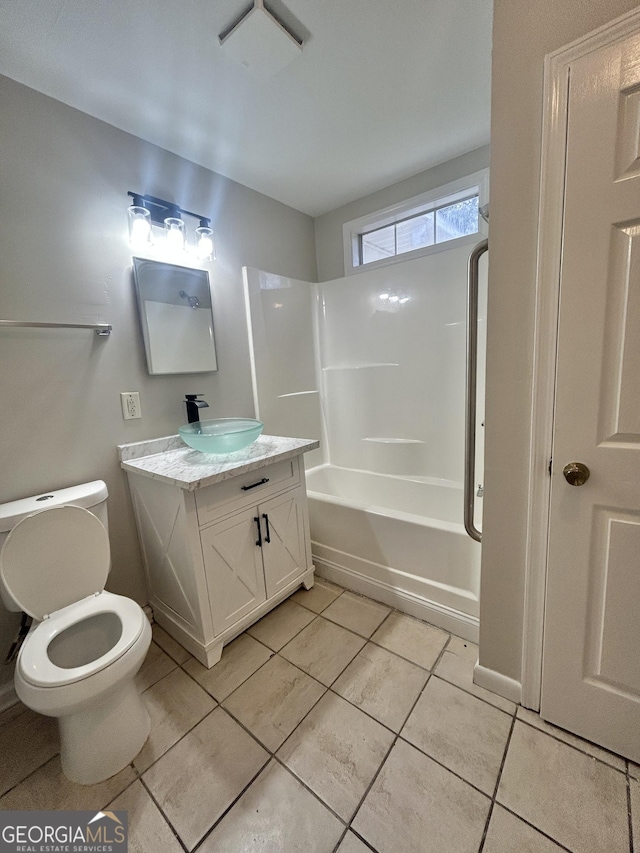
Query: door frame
x=548 y=278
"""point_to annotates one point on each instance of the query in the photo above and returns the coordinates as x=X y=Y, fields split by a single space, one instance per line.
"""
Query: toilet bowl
x=86 y=645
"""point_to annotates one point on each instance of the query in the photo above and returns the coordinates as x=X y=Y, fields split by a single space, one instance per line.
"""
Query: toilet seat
x=54 y=558
x=54 y=565
x=34 y=662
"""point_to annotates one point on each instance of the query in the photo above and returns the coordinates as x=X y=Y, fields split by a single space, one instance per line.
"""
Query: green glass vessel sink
x=221 y=435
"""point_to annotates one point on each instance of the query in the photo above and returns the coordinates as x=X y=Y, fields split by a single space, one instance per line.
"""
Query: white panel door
x=233 y=566
x=591 y=666
x=283 y=543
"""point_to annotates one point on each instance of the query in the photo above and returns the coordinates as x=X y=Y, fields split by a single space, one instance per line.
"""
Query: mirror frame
x=160 y=283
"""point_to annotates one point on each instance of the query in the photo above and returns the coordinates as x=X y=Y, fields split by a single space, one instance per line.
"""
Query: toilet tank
x=91 y=496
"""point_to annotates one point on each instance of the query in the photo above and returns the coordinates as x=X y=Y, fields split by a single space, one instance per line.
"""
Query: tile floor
x=336 y=724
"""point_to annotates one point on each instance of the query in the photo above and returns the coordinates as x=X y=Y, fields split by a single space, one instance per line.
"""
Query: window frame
x=439 y=197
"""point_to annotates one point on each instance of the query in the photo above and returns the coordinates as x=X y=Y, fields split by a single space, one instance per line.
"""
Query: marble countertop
x=171 y=461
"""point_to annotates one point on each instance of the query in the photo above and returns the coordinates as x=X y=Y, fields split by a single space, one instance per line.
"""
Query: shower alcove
x=380 y=382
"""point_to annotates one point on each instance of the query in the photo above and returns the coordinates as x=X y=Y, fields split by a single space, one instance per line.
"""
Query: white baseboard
x=8 y=695
x=494 y=681
x=453 y=621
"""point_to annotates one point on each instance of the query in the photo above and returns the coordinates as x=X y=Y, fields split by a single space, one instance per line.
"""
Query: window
x=417 y=227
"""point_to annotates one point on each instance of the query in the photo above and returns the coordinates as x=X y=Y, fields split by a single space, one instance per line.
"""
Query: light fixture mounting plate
x=159 y=210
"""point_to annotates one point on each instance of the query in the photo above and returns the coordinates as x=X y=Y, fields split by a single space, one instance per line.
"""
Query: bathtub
x=399 y=540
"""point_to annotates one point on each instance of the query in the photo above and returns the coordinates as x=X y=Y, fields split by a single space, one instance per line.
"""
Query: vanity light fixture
x=140 y=233
x=147 y=210
x=205 y=248
x=176 y=233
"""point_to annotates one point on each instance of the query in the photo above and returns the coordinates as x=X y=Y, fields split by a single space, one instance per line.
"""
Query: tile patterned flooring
x=337 y=724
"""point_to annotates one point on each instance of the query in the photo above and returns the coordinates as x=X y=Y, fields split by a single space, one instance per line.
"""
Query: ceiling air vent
x=260 y=42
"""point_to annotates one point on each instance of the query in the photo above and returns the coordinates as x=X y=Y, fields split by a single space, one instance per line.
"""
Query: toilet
x=79 y=660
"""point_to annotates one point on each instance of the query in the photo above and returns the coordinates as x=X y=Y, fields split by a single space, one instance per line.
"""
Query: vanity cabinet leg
x=214 y=654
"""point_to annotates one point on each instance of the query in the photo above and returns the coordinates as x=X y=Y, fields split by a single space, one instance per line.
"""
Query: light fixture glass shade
x=176 y=233
x=205 y=248
x=140 y=234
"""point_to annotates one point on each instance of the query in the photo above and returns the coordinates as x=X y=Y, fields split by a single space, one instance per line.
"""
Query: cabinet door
x=282 y=522
x=233 y=565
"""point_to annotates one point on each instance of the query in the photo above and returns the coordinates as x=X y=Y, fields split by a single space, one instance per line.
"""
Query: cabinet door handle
x=259 y=539
x=253 y=485
x=267 y=538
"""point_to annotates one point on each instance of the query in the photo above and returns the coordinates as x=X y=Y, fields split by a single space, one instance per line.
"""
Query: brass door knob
x=576 y=473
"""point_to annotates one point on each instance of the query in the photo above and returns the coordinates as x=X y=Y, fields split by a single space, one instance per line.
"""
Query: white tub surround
x=281 y=319
x=398 y=540
x=375 y=364
x=224 y=538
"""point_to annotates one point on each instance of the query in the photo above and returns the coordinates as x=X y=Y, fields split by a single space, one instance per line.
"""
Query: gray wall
x=64 y=256
x=524 y=31
x=329 y=240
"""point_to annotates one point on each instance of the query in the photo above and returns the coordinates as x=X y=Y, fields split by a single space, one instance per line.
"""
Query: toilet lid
x=54 y=558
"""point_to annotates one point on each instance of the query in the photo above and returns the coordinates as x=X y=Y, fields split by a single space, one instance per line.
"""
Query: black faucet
x=193 y=404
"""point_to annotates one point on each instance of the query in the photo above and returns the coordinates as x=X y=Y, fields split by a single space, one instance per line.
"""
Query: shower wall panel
x=284 y=361
x=392 y=343
x=371 y=364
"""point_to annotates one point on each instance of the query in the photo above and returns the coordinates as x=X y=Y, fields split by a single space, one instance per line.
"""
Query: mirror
x=176 y=317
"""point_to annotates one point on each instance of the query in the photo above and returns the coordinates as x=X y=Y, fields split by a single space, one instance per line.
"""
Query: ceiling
x=381 y=90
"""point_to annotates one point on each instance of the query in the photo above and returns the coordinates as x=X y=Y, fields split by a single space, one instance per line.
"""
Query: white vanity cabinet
x=252 y=555
x=227 y=547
